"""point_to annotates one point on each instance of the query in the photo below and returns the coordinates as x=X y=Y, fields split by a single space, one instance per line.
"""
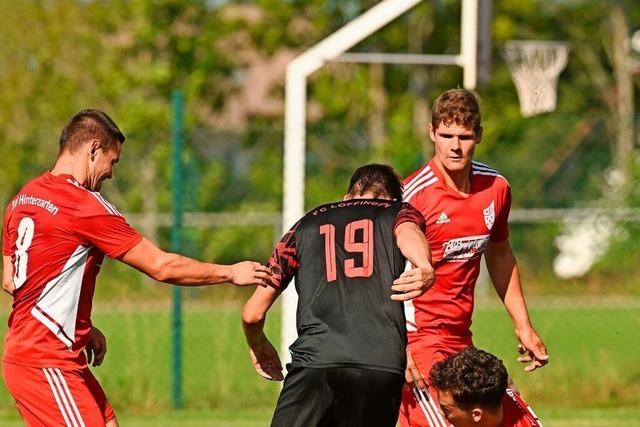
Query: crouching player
x=472 y=390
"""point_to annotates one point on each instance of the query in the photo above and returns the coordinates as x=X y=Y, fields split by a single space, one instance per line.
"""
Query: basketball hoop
x=535 y=66
x=635 y=41
x=634 y=58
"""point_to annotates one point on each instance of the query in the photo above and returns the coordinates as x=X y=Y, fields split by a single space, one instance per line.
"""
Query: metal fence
x=231 y=199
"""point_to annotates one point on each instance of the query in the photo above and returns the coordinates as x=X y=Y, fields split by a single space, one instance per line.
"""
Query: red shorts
x=426 y=350
x=54 y=397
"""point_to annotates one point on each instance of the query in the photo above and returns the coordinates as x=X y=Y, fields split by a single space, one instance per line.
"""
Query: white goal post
x=312 y=60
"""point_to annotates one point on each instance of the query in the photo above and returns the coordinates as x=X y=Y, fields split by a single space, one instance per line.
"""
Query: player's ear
x=432 y=132
x=94 y=147
x=479 y=135
x=476 y=414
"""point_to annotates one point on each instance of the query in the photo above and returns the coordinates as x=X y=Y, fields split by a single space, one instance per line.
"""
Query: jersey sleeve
x=99 y=223
x=413 y=190
x=6 y=242
x=500 y=231
x=284 y=261
x=408 y=213
x=417 y=201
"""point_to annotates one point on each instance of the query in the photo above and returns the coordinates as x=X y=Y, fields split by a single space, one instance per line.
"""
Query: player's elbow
x=251 y=316
x=160 y=269
x=7 y=286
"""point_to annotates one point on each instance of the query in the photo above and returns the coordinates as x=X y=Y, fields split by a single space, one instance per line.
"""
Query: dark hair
x=90 y=124
x=457 y=106
x=381 y=180
x=473 y=377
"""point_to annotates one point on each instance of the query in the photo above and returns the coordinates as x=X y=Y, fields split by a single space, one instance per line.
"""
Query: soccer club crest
x=489 y=215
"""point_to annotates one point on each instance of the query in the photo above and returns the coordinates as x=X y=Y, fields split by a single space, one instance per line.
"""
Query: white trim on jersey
x=57 y=306
x=482 y=169
x=415 y=179
x=408 y=196
x=477 y=172
x=480 y=165
x=108 y=206
x=520 y=403
x=63 y=397
x=76 y=183
x=477 y=166
x=54 y=327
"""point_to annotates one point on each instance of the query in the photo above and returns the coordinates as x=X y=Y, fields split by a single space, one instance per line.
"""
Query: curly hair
x=473 y=377
x=457 y=106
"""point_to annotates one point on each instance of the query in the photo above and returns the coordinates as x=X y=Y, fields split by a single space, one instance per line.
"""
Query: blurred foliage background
x=229 y=58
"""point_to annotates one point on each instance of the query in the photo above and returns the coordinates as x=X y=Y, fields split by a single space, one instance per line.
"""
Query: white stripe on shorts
x=64 y=398
x=56 y=396
x=70 y=397
x=429 y=408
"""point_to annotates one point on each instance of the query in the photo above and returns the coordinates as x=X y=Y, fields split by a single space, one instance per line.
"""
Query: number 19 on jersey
x=365 y=247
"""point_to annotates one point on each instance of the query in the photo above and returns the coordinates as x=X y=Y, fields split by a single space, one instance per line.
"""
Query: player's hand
x=249 y=273
x=413 y=375
x=413 y=283
x=8 y=287
x=533 y=351
x=7 y=275
x=96 y=347
x=266 y=361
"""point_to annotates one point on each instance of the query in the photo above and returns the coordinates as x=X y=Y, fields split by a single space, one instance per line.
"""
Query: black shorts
x=335 y=397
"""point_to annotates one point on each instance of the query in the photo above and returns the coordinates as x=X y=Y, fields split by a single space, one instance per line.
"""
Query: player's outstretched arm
x=263 y=354
x=180 y=270
x=414 y=247
x=503 y=269
x=7 y=274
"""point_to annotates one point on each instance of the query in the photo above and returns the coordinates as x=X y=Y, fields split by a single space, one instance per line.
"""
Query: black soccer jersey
x=344 y=258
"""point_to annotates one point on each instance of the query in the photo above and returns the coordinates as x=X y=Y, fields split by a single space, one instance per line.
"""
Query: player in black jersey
x=348 y=259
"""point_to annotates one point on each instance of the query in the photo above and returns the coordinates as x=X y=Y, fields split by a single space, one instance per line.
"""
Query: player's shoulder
x=420 y=180
x=96 y=204
x=91 y=203
x=51 y=192
x=33 y=185
x=483 y=171
x=517 y=413
x=346 y=210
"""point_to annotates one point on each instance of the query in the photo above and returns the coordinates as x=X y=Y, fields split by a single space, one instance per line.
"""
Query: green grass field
x=260 y=417
x=593 y=378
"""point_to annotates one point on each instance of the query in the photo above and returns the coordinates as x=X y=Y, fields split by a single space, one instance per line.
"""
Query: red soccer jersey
x=458 y=230
x=516 y=411
x=57 y=233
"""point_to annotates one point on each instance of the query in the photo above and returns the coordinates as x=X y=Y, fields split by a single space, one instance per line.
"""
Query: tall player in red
x=56 y=231
x=466 y=206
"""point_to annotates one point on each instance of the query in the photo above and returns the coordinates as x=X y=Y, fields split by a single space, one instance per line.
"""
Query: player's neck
x=458 y=181
x=492 y=419
x=68 y=164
